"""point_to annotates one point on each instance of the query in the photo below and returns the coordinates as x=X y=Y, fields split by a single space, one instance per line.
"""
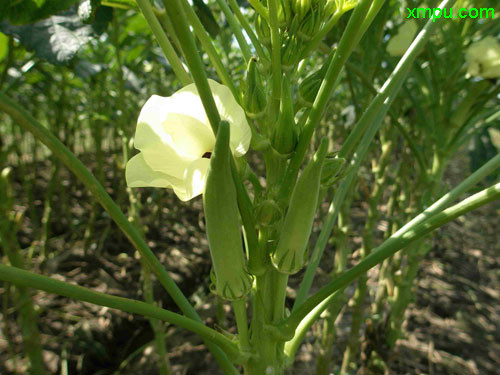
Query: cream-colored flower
x=176 y=140
x=400 y=42
x=483 y=58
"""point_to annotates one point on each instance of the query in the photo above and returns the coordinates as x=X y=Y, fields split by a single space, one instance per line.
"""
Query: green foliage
x=29 y=11
x=389 y=175
x=206 y=17
x=4 y=46
x=58 y=38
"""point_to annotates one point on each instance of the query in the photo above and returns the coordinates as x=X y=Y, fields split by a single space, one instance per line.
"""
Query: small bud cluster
x=299 y=21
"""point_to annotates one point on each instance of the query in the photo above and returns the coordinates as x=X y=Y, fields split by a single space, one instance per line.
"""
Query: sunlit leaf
x=58 y=38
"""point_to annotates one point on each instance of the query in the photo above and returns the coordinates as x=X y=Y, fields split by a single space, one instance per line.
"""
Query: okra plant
x=262 y=150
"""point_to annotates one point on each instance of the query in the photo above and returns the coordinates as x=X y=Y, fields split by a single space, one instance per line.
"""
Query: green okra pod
x=285 y=134
x=289 y=256
x=222 y=223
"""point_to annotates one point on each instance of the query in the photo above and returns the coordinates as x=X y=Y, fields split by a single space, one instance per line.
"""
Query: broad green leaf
x=29 y=11
x=58 y=38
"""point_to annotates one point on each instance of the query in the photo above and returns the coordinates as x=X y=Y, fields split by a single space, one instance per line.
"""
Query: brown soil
x=453 y=326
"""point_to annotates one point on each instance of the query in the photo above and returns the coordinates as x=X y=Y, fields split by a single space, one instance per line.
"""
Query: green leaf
x=58 y=38
x=206 y=17
x=29 y=11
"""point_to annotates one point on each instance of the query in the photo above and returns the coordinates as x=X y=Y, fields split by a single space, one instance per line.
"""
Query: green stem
x=245 y=207
x=156 y=325
x=32 y=280
x=338 y=201
x=396 y=122
x=279 y=284
x=341 y=54
x=27 y=314
x=259 y=8
x=265 y=346
x=8 y=61
x=178 y=17
x=357 y=301
x=306 y=323
x=366 y=127
x=335 y=305
x=396 y=242
x=248 y=29
x=236 y=28
x=168 y=27
x=75 y=165
x=196 y=67
x=372 y=13
x=403 y=294
x=390 y=85
x=274 y=108
x=206 y=42
x=163 y=41
x=240 y=313
x=316 y=40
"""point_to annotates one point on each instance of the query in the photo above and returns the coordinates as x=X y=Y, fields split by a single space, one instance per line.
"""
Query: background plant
x=290 y=107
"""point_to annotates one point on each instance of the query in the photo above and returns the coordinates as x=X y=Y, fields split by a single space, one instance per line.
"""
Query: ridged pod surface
x=222 y=223
x=289 y=256
x=285 y=134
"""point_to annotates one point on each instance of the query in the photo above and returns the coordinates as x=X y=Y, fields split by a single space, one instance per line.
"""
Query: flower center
x=207 y=155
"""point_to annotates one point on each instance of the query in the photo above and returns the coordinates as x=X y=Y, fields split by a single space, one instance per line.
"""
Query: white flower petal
x=139 y=174
x=231 y=111
x=186 y=101
x=195 y=178
x=173 y=134
x=188 y=136
x=158 y=154
x=154 y=112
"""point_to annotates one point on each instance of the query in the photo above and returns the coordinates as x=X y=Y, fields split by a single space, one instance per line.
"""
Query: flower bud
x=333 y=170
x=285 y=15
x=290 y=53
x=330 y=7
x=255 y=99
x=309 y=87
x=289 y=256
x=310 y=25
x=263 y=31
x=301 y=7
x=268 y=213
x=285 y=134
x=222 y=223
